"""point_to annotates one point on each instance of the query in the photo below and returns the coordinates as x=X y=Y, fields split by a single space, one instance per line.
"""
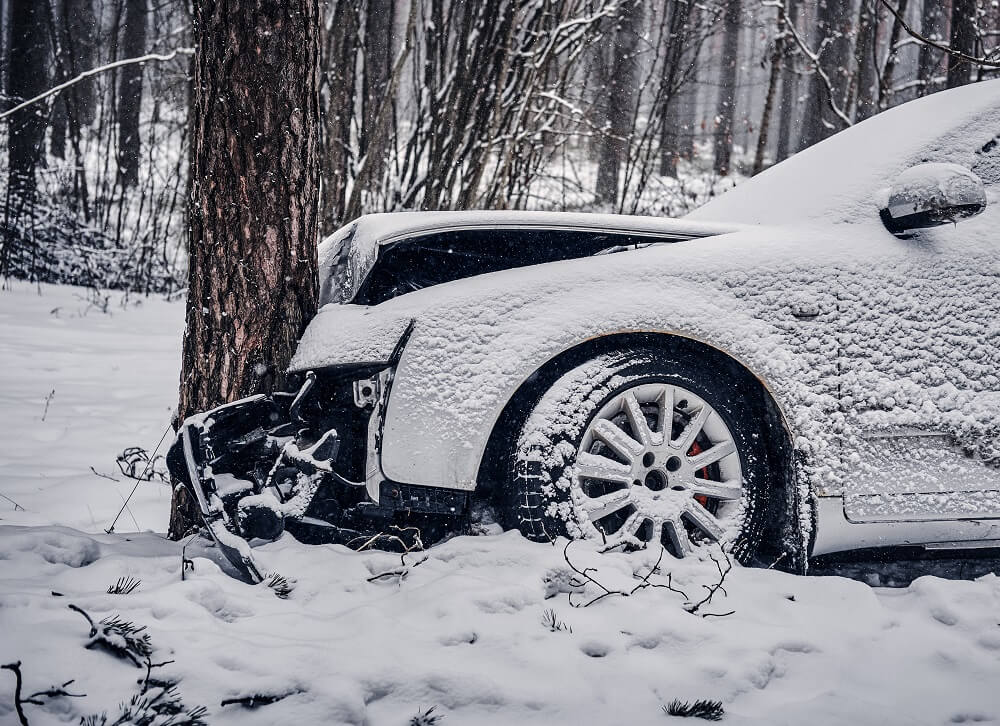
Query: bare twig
x=984 y=61
x=104 y=476
x=149 y=462
x=38 y=697
x=95 y=71
x=15 y=668
x=125 y=585
x=48 y=400
x=257 y=699
x=714 y=588
x=17 y=507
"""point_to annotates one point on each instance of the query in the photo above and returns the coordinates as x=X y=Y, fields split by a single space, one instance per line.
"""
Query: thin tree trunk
x=864 y=56
x=82 y=32
x=963 y=39
x=619 y=103
x=378 y=59
x=339 y=57
x=833 y=25
x=727 y=89
x=253 y=202
x=789 y=86
x=765 y=118
x=130 y=92
x=26 y=129
x=931 y=15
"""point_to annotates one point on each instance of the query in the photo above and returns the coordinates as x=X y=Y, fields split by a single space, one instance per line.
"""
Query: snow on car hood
x=846 y=177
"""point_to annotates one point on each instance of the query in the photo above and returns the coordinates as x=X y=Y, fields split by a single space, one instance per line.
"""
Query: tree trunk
x=26 y=129
x=339 y=57
x=378 y=64
x=727 y=89
x=130 y=92
x=931 y=15
x=80 y=31
x=789 y=87
x=864 y=55
x=963 y=39
x=833 y=24
x=619 y=102
x=253 y=202
x=777 y=54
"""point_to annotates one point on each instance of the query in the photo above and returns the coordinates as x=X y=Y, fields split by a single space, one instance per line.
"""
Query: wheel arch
x=760 y=395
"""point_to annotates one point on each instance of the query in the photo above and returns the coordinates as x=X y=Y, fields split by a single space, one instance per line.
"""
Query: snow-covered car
x=807 y=364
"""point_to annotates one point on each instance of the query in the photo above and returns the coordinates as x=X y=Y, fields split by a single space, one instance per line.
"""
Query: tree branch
x=985 y=61
x=95 y=71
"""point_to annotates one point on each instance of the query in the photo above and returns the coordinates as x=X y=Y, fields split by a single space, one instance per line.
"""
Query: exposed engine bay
x=303 y=461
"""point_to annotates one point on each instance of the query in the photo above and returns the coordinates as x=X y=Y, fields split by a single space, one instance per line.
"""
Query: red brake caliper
x=703 y=473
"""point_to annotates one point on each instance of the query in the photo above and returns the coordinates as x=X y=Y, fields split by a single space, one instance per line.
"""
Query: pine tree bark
x=130 y=92
x=619 y=102
x=725 y=109
x=26 y=129
x=253 y=202
x=963 y=39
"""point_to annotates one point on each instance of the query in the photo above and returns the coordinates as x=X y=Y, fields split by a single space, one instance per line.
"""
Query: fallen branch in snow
x=149 y=680
x=426 y=718
x=645 y=582
x=553 y=623
x=185 y=562
x=708 y=710
x=36 y=698
x=257 y=699
x=118 y=637
x=714 y=588
x=17 y=507
x=404 y=568
x=280 y=584
x=125 y=585
x=48 y=400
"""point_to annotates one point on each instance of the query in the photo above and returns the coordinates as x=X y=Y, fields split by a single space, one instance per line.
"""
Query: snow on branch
x=95 y=71
x=983 y=61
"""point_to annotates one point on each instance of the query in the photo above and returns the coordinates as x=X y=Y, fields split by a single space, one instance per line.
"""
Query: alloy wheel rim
x=657 y=464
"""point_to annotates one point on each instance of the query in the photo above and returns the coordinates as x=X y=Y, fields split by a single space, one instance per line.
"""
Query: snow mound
x=485 y=630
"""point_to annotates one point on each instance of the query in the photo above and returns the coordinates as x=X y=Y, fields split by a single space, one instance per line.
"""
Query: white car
x=810 y=363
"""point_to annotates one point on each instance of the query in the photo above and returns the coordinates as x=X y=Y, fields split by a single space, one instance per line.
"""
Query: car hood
x=353 y=335
x=846 y=177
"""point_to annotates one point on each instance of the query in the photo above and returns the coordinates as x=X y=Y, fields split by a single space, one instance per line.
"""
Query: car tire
x=568 y=478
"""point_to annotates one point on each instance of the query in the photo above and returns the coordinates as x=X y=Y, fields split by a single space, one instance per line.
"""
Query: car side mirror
x=927 y=195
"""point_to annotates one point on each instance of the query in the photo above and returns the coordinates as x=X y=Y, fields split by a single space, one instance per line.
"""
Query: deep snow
x=462 y=631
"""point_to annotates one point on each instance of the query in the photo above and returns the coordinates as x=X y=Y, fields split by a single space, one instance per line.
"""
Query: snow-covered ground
x=462 y=631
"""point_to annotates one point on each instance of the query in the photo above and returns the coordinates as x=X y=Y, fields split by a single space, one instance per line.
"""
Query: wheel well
x=492 y=468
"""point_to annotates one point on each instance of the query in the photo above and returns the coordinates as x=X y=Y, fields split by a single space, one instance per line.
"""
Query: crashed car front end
x=304 y=461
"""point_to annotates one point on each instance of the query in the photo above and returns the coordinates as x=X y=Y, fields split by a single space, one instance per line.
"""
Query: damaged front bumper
x=306 y=462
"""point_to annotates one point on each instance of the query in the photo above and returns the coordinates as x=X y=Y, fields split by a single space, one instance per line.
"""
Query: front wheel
x=640 y=448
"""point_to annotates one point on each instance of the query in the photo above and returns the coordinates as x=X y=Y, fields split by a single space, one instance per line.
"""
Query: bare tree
x=931 y=16
x=617 y=89
x=789 y=81
x=963 y=40
x=829 y=77
x=253 y=202
x=26 y=129
x=725 y=110
x=130 y=92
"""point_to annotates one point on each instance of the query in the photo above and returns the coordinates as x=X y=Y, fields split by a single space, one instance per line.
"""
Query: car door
x=921 y=369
